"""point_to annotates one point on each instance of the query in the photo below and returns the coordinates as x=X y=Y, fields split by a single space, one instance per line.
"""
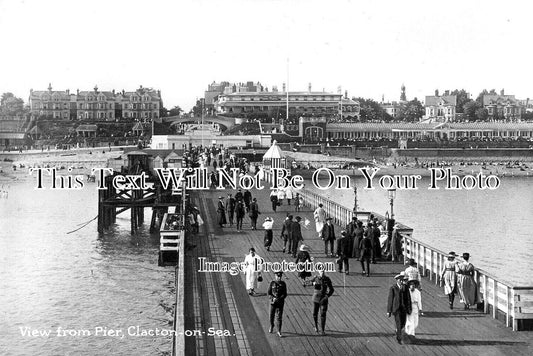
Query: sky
x=368 y=48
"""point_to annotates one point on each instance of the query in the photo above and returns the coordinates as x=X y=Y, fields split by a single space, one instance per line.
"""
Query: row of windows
x=149 y=106
x=505 y=110
x=50 y=106
x=280 y=98
x=291 y=109
x=146 y=115
x=54 y=98
x=95 y=115
x=441 y=111
x=96 y=106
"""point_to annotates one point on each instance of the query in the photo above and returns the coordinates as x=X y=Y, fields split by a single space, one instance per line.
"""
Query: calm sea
x=494 y=226
x=81 y=281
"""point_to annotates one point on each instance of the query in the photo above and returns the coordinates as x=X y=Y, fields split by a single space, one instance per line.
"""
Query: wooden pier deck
x=356 y=321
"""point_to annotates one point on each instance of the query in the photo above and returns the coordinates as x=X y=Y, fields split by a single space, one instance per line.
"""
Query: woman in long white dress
x=449 y=278
x=252 y=263
x=416 y=303
x=320 y=219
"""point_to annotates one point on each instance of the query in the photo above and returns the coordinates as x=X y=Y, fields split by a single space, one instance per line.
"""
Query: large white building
x=274 y=104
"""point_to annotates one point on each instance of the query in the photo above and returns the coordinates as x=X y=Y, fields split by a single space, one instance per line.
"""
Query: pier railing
x=504 y=301
x=178 y=347
x=501 y=299
x=341 y=215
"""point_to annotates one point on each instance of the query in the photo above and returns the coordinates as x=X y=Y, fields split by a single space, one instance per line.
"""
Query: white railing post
x=507 y=306
x=485 y=295
x=494 y=298
x=431 y=265
x=515 y=322
x=424 y=261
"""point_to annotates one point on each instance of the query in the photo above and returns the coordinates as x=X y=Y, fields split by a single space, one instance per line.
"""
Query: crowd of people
x=359 y=240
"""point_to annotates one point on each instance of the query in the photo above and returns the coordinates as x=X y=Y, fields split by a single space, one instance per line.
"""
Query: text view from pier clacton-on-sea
x=329 y=205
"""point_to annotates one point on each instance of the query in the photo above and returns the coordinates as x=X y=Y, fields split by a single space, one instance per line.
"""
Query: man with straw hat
x=399 y=304
x=267 y=225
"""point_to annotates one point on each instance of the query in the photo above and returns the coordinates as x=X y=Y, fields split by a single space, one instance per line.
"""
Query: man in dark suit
x=328 y=236
x=286 y=233
x=399 y=304
x=230 y=208
x=350 y=233
x=343 y=252
x=323 y=289
x=296 y=235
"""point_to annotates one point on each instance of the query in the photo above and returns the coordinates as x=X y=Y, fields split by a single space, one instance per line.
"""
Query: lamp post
x=392 y=195
x=202 y=127
x=355 y=201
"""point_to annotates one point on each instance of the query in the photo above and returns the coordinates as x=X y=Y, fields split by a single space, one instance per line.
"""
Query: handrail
x=499 y=296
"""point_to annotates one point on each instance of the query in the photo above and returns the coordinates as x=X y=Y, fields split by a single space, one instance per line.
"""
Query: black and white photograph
x=266 y=177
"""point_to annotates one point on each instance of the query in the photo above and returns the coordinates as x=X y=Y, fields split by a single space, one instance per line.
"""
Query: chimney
x=113 y=91
x=77 y=92
x=309 y=87
x=68 y=91
x=436 y=92
x=447 y=92
x=283 y=88
x=346 y=94
x=502 y=92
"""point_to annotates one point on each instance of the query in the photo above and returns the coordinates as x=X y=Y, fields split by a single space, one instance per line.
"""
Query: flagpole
x=287 y=113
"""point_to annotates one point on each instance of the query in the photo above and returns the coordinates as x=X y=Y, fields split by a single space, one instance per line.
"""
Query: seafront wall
x=383 y=153
x=465 y=153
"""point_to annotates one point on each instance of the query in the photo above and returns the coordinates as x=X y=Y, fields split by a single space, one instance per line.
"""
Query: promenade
x=356 y=321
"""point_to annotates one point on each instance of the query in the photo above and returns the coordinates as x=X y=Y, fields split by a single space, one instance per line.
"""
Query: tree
x=482 y=114
x=479 y=98
x=10 y=105
x=412 y=111
x=527 y=116
x=462 y=98
x=197 y=109
x=470 y=109
x=175 y=111
x=372 y=111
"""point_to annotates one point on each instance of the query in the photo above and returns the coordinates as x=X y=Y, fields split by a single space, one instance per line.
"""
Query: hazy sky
x=367 y=47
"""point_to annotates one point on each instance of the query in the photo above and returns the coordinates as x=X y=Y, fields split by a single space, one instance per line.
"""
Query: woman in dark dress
x=365 y=246
x=254 y=213
x=303 y=256
x=358 y=232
